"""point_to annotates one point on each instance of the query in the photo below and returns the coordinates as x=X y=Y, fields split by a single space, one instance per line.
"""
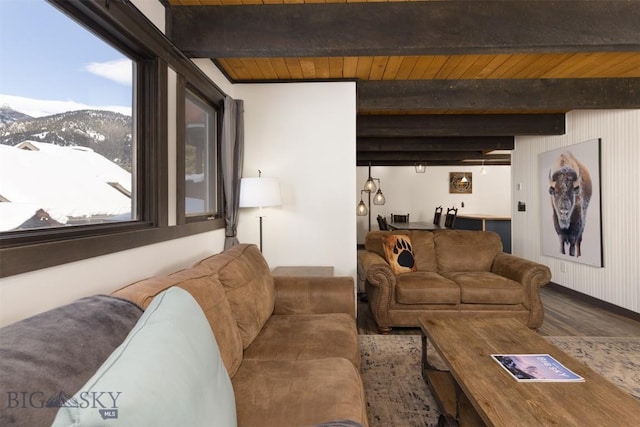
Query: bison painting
x=570 y=189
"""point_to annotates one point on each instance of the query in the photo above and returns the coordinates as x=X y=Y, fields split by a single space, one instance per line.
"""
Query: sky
x=49 y=64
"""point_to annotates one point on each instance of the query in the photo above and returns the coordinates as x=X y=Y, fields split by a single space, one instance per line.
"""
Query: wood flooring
x=564 y=316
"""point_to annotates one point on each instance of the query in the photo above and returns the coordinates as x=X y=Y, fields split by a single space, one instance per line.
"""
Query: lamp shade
x=259 y=192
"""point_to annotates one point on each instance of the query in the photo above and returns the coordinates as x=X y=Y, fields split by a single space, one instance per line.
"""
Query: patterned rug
x=398 y=396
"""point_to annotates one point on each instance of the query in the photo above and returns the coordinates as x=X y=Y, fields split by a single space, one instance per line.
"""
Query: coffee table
x=477 y=391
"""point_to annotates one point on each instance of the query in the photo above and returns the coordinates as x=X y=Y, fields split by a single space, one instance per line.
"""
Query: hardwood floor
x=564 y=316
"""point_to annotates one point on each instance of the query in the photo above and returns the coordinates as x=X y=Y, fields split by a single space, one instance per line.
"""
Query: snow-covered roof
x=64 y=181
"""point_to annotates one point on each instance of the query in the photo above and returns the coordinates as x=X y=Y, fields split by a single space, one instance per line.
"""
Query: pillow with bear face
x=399 y=253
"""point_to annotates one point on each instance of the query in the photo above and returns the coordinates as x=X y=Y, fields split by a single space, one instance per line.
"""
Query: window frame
x=127 y=29
x=184 y=86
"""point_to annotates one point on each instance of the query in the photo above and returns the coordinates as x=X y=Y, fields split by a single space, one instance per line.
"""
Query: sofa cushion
x=249 y=287
x=399 y=253
x=205 y=287
x=57 y=352
x=424 y=250
x=464 y=250
x=424 y=287
x=307 y=336
x=294 y=393
x=373 y=240
x=167 y=372
x=479 y=287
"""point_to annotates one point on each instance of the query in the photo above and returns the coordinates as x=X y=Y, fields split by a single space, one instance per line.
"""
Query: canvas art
x=570 y=202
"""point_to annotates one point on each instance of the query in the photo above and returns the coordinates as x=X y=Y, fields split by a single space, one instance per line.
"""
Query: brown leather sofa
x=457 y=273
x=290 y=344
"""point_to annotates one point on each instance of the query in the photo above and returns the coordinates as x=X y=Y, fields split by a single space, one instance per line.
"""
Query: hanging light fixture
x=370 y=185
x=483 y=171
x=362 y=209
x=421 y=168
x=379 y=199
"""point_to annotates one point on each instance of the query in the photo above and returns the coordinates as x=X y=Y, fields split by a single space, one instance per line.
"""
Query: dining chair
x=437 y=215
x=382 y=223
x=399 y=218
x=450 y=218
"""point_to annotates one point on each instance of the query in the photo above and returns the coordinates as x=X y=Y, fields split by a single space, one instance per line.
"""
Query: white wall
x=418 y=194
x=618 y=281
x=303 y=134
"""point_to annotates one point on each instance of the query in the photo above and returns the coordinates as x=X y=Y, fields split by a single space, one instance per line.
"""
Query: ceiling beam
x=481 y=143
x=405 y=28
x=420 y=125
x=412 y=162
x=426 y=156
x=498 y=95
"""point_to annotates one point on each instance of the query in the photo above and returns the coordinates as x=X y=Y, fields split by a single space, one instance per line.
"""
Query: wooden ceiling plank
x=449 y=66
x=281 y=69
x=308 y=67
x=322 y=67
x=544 y=63
x=350 y=67
x=364 y=67
x=227 y=67
x=294 y=67
x=378 y=66
x=422 y=65
x=266 y=68
x=393 y=68
x=404 y=28
x=466 y=62
x=336 y=67
x=407 y=64
x=480 y=62
x=495 y=63
x=435 y=66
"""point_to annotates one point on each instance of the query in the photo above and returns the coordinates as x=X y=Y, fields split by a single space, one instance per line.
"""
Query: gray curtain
x=232 y=150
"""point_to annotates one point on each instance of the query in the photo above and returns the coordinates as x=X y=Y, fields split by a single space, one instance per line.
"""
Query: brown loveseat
x=457 y=272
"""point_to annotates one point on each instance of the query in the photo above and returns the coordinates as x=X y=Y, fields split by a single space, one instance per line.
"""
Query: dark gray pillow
x=47 y=358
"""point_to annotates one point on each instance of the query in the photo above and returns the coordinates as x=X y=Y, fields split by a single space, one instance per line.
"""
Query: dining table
x=415 y=225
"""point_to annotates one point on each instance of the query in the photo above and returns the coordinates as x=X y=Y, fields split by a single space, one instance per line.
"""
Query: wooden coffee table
x=478 y=391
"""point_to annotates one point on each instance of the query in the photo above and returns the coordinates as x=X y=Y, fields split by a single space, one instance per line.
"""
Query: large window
x=67 y=137
x=84 y=168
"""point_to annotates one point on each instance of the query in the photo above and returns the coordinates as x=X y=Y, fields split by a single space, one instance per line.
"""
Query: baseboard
x=612 y=308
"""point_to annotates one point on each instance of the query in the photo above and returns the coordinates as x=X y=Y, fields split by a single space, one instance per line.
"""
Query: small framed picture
x=460 y=182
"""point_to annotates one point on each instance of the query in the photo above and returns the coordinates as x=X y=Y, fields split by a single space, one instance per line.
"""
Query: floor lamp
x=259 y=193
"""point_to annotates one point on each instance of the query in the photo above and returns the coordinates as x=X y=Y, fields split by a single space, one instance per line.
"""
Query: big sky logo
x=106 y=402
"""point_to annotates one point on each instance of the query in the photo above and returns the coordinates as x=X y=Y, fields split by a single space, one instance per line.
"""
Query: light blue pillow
x=167 y=372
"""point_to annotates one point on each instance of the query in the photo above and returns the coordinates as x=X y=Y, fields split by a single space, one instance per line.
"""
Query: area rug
x=398 y=396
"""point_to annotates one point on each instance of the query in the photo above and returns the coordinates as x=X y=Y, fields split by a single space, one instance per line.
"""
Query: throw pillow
x=399 y=253
x=167 y=372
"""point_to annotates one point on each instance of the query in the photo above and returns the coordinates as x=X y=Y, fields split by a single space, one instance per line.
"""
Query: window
x=124 y=61
x=200 y=148
x=67 y=139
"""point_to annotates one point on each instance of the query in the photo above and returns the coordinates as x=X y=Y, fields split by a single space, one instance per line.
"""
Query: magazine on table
x=535 y=367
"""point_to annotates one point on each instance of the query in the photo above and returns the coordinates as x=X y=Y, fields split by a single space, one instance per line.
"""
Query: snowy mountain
x=105 y=132
x=7 y=115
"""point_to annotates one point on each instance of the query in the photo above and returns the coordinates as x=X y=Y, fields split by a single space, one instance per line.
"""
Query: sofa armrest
x=531 y=275
x=380 y=287
x=314 y=295
x=377 y=269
